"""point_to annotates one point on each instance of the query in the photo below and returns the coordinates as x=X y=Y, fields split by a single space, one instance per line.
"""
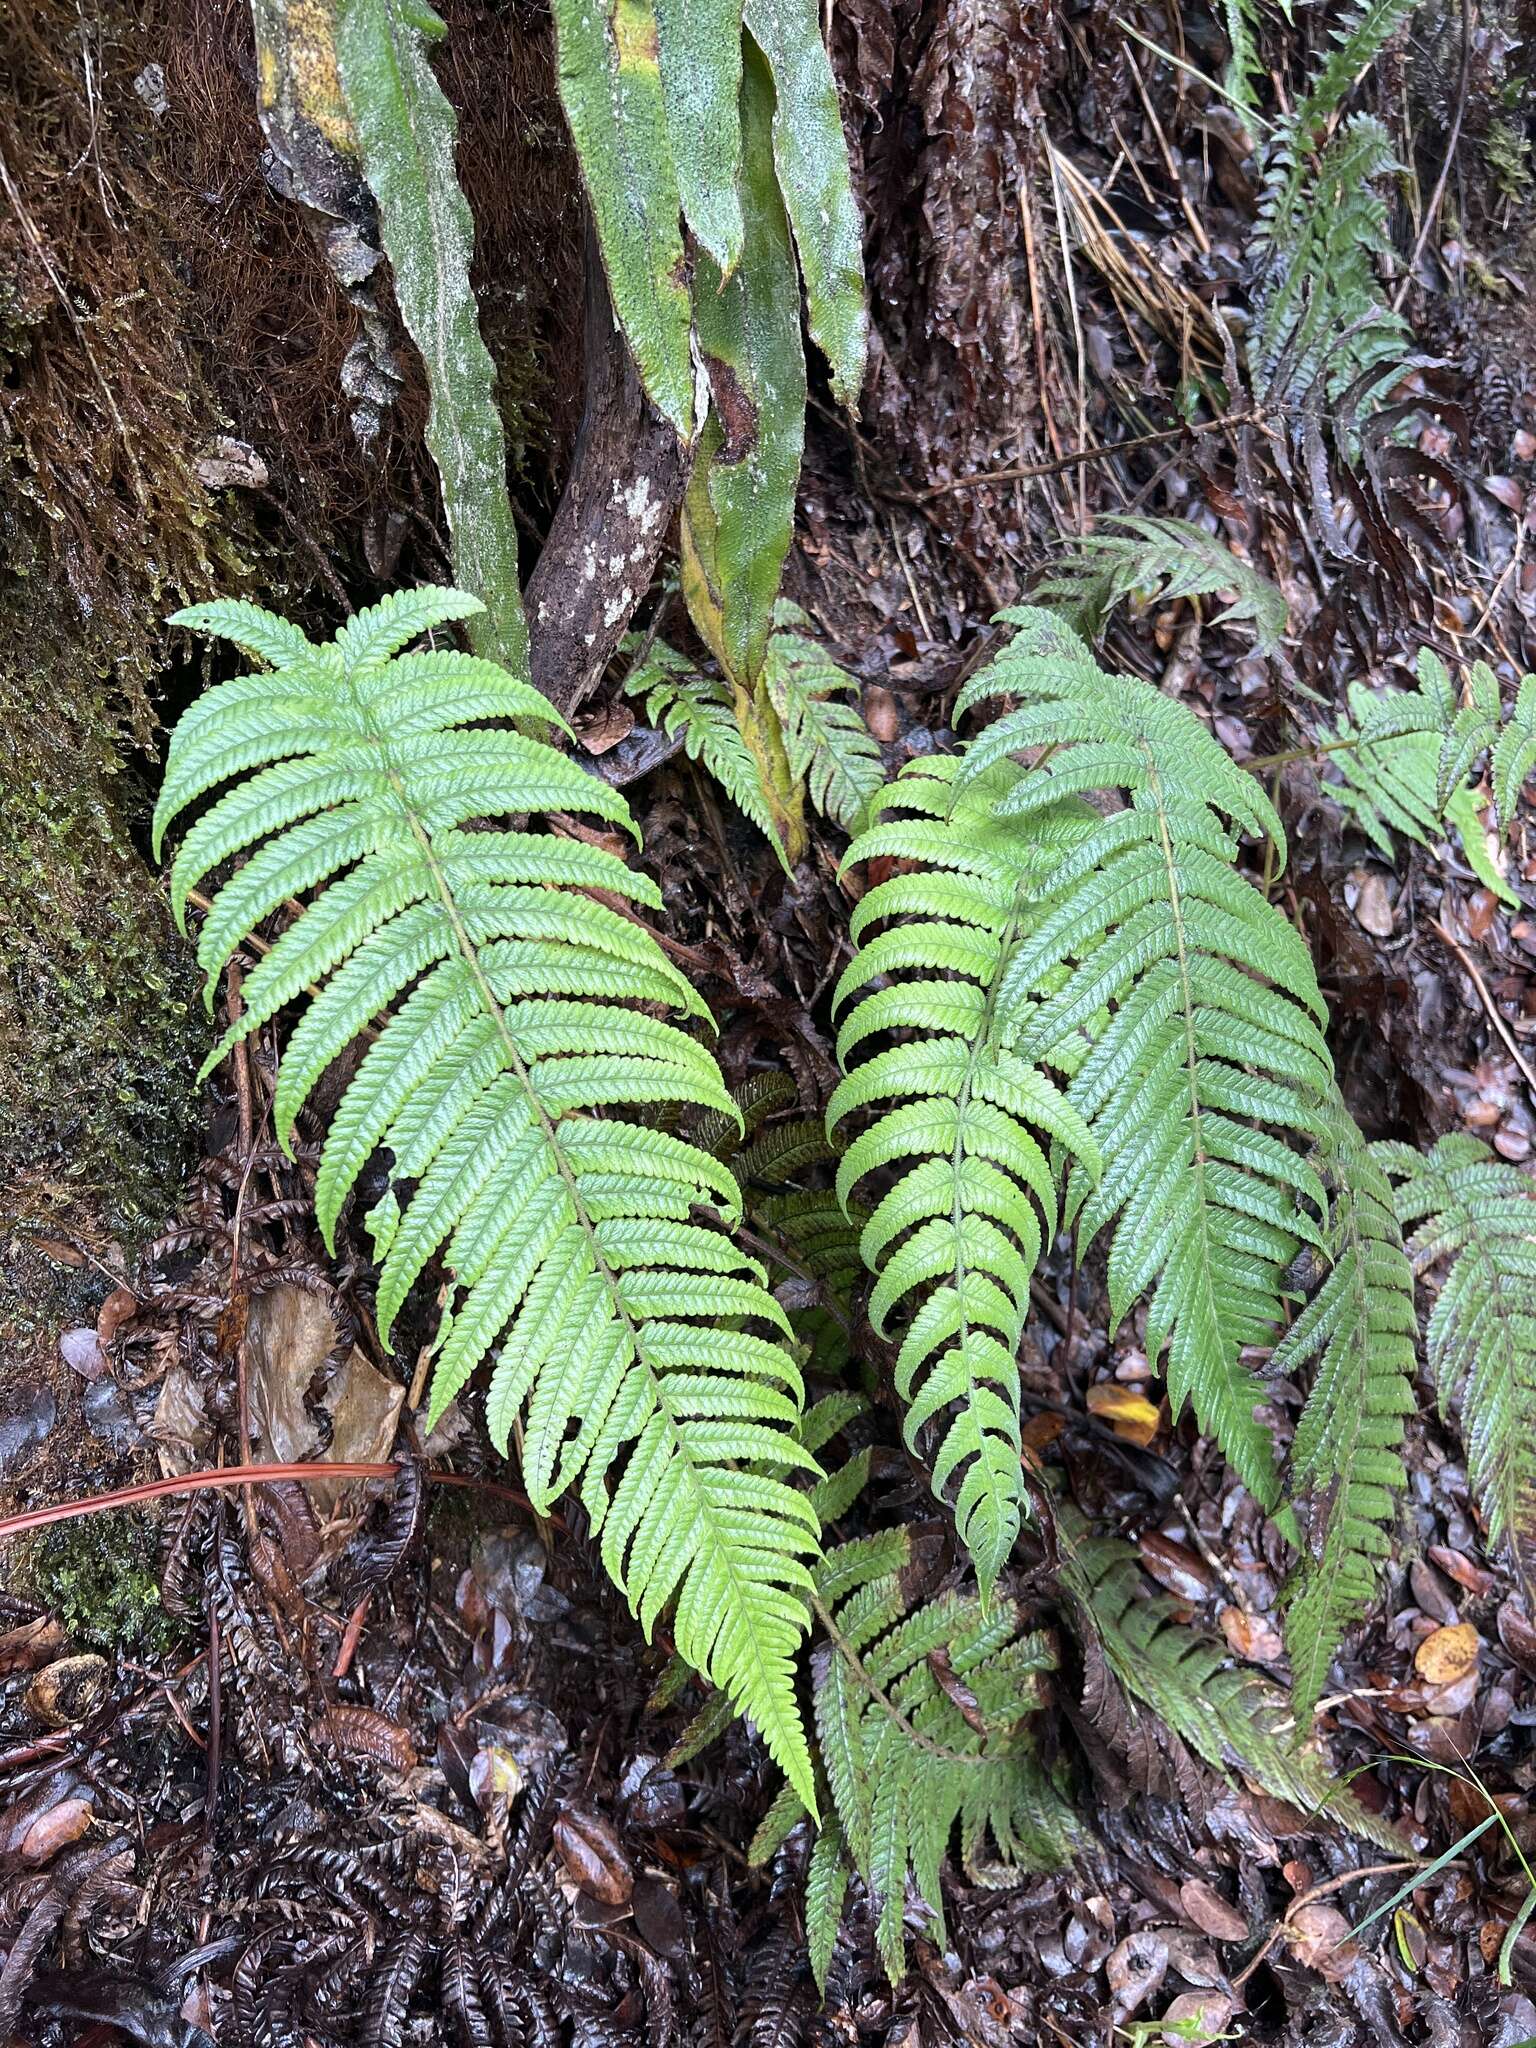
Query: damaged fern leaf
x=1172 y=558
x=1471 y=1217
x=1183 y=1004
x=634 y=1345
x=957 y=1120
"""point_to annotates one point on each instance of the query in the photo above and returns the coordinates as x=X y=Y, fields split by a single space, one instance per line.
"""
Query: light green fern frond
x=830 y=748
x=1346 y=1473
x=700 y=710
x=1184 y=1005
x=1471 y=1217
x=1169 y=558
x=1401 y=763
x=923 y=1725
x=969 y=1197
x=634 y=1343
x=1230 y=1715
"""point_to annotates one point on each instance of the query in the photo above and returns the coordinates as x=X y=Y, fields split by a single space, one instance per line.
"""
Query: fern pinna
x=635 y=1342
x=1471 y=1216
x=955 y=1237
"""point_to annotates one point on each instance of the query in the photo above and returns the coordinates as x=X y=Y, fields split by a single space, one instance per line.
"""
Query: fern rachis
x=570 y=1235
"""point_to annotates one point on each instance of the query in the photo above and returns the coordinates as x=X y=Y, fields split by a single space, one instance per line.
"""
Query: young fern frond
x=1471 y=1217
x=1232 y=1717
x=700 y=710
x=830 y=748
x=1184 y=1005
x=953 y=1240
x=1168 y=558
x=1346 y=1472
x=633 y=1343
x=923 y=1723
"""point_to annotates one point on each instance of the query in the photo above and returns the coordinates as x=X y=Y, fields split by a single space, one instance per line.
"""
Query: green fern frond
x=1231 y=1716
x=830 y=748
x=923 y=1725
x=956 y=1234
x=634 y=1346
x=1346 y=1472
x=700 y=710
x=1401 y=762
x=1131 y=554
x=1471 y=1217
x=1183 y=1003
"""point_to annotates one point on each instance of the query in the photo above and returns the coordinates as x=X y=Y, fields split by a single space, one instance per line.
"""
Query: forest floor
x=288 y=1769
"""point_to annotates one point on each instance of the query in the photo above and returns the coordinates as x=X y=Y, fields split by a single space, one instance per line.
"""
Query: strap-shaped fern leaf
x=625 y=1332
x=1233 y=1717
x=1186 y=1003
x=1346 y=1464
x=1472 y=1216
x=955 y=1237
x=923 y=1723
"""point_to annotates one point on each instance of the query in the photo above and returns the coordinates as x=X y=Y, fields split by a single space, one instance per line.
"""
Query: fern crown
x=635 y=1343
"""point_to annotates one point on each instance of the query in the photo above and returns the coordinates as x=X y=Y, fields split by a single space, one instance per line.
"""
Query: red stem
x=240 y=1475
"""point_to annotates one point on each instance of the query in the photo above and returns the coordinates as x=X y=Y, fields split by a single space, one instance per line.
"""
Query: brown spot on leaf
x=738 y=414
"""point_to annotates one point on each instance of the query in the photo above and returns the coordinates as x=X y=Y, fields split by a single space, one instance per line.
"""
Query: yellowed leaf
x=1447 y=1654
x=1132 y=1417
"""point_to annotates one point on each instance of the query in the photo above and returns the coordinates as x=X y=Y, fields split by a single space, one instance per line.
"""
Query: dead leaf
x=290 y=1334
x=1319 y=1936
x=594 y=1856
x=119 y=1307
x=1132 y=1417
x=1197 y=2018
x=1136 y=1970
x=610 y=723
x=1447 y=1654
x=1210 y=1912
x=69 y=1691
x=55 y=1830
x=81 y=1351
x=31 y=1644
x=1176 y=1569
x=1252 y=1637
x=1373 y=904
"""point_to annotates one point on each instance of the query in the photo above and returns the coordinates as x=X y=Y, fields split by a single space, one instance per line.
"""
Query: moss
x=102 y=1580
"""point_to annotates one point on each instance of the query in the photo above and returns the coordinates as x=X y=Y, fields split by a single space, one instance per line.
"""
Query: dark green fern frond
x=923 y=1725
x=1346 y=1472
x=1230 y=1715
x=969 y=1197
x=1466 y=732
x=1131 y=554
x=634 y=1344
x=830 y=748
x=1472 y=1219
x=700 y=710
x=1184 y=1004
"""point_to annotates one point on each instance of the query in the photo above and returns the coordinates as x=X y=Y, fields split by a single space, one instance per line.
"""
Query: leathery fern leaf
x=957 y=1120
x=923 y=1718
x=1471 y=1217
x=1346 y=1469
x=1183 y=1004
x=1237 y=1720
x=635 y=1346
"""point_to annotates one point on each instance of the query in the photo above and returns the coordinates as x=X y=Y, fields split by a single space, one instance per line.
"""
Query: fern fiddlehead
x=622 y=1326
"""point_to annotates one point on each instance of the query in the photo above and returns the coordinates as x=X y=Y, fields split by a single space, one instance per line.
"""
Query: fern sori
x=1231 y=1716
x=1172 y=558
x=1471 y=1217
x=923 y=1720
x=1182 y=1002
x=634 y=1343
x=970 y=1198
x=1346 y=1471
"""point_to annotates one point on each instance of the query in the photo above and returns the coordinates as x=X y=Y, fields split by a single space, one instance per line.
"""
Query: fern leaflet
x=1172 y=558
x=1184 y=1004
x=1472 y=1216
x=625 y=1333
x=1346 y=1464
x=1233 y=1718
x=830 y=748
x=923 y=1723
x=956 y=1235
